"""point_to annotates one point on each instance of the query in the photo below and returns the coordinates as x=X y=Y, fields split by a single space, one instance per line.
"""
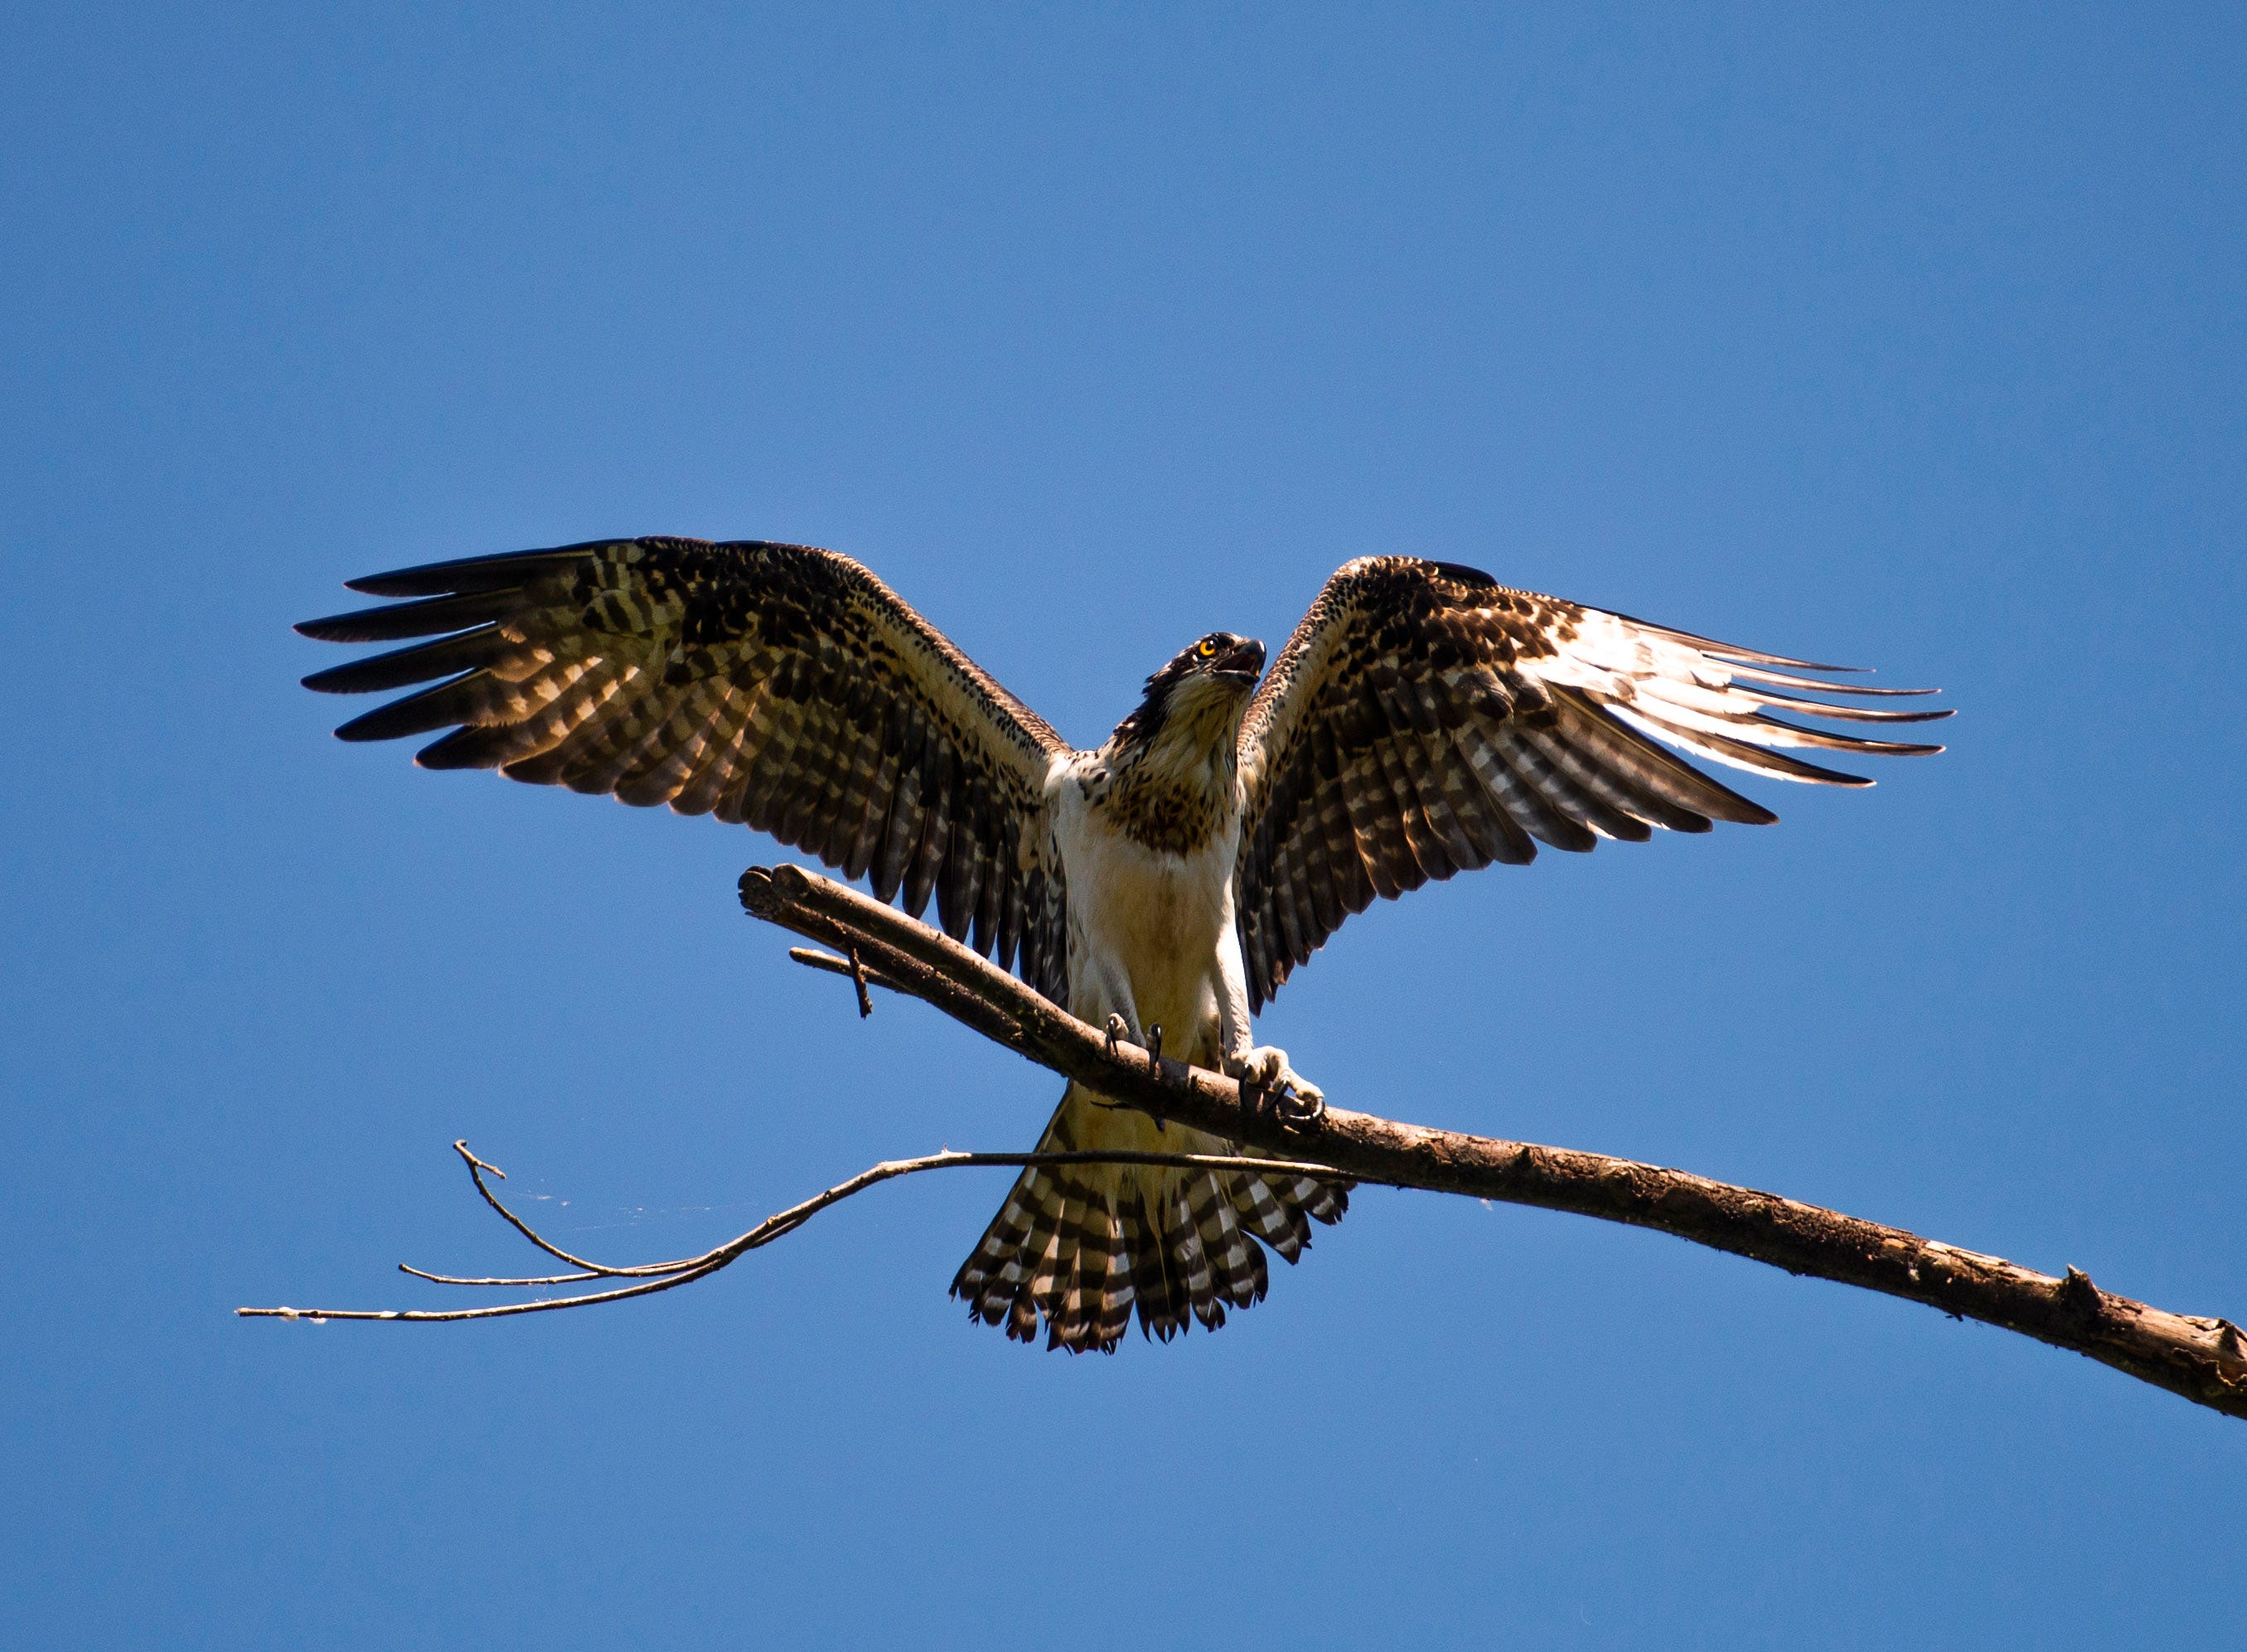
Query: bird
x=1422 y=720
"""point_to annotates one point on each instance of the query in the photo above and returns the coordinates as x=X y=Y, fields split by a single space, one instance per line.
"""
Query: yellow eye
x=1206 y=648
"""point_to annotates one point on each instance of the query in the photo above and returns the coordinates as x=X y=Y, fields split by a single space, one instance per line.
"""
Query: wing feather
x=935 y=830
x=713 y=760
x=780 y=686
x=1425 y=719
x=667 y=763
x=1419 y=845
x=1525 y=753
x=899 y=834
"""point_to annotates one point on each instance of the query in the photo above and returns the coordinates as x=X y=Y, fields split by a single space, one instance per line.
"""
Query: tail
x=1086 y=1244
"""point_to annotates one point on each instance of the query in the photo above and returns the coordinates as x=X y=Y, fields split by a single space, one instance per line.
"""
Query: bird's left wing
x=1425 y=719
x=781 y=685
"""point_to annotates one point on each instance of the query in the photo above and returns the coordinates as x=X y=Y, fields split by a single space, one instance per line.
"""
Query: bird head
x=1200 y=696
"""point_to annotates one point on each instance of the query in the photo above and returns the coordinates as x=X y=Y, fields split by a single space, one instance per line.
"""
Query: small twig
x=477 y=1168
x=856 y=972
x=661 y=1276
x=476 y=1165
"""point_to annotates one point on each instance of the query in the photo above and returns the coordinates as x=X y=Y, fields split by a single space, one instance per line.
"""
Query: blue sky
x=1910 y=339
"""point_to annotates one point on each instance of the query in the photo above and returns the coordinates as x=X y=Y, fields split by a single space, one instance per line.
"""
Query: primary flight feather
x=1422 y=720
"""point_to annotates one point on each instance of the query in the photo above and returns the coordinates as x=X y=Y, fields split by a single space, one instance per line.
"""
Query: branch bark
x=2205 y=1360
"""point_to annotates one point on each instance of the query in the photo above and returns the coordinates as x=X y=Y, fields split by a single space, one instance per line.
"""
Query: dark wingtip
x=462 y=748
x=366 y=676
x=468 y=574
x=412 y=715
x=360 y=729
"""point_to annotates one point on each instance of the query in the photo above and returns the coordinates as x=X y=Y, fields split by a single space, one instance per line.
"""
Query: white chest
x=1145 y=924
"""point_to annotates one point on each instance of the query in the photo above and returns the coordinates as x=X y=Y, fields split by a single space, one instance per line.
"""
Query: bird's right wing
x=778 y=685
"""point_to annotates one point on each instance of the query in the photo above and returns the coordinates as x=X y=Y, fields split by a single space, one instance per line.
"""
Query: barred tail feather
x=1082 y=1248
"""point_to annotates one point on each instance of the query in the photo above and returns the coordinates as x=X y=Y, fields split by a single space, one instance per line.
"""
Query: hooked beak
x=1243 y=662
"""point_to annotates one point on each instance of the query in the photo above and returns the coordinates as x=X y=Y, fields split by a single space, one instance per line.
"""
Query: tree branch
x=2204 y=1360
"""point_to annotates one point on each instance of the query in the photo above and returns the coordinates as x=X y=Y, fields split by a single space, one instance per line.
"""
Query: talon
x=1116 y=1030
x=1293 y=1098
x=1155 y=1050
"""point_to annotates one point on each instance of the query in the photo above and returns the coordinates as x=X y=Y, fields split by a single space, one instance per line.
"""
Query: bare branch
x=2204 y=1360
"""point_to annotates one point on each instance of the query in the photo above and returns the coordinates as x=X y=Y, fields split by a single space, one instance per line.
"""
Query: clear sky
x=1886 y=335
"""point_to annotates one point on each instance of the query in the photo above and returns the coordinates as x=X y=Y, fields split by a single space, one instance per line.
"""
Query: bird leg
x=1119 y=1031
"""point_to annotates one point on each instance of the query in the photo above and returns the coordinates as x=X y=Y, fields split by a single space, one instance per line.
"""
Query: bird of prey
x=1424 y=719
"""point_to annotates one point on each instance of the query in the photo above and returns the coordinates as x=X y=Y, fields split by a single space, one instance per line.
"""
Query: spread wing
x=777 y=686
x=1426 y=719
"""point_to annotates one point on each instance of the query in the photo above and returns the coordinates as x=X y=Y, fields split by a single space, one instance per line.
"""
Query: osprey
x=1424 y=719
